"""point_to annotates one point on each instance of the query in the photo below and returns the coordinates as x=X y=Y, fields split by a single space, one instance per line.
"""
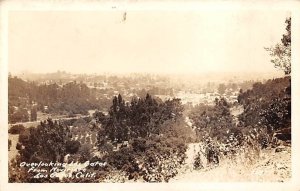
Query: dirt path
x=192 y=150
x=270 y=166
x=36 y=123
x=235 y=112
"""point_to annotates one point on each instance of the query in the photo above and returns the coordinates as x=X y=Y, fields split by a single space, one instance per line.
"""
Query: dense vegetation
x=47 y=142
x=266 y=111
x=146 y=137
x=267 y=105
x=16 y=129
x=154 y=131
x=144 y=140
x=212 y=121
x=68 y=99
x=142 y=117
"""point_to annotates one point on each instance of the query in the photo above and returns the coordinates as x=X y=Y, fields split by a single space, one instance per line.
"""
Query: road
x=36 y=123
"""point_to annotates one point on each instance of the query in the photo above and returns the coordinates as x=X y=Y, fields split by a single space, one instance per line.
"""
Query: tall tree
x=47 y=142
x=33 y=114
x=212 y=121
x=281 y=52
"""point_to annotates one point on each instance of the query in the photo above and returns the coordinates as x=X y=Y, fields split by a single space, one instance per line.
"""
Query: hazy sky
x=147 y=41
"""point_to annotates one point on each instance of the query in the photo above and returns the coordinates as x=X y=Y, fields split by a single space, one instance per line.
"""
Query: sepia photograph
x=148 y=93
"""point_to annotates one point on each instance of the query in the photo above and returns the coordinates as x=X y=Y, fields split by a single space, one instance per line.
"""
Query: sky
x=152 y=41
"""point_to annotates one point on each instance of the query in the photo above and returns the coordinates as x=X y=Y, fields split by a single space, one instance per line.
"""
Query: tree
x=71 y=98
x=16 y=129
x=9 y=144
x=33 y=114
x=21 y=115
x=85 y=152
x=99 y=116
x=267 y=106
x=156 y=135
x=143 y=117
x=212 y=121
x=72 y=146
x=47 y=142
x=281 y=52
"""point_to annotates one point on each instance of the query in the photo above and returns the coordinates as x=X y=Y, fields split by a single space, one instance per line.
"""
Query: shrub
x=72 y=146
x=46 y=142
x=18 y=146
x=119 y=158
x=20 y=115
x=9 y=144
x=106 y=148
x=198 y=164
x=155 y=160
x=24 y=136
x=85 y=152
x=16 y=129
x=139 y=145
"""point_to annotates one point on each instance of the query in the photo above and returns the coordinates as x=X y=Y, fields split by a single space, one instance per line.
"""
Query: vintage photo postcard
x=117 y=95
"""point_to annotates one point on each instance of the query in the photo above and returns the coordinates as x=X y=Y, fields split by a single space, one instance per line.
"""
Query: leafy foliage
x=9 y=144
x=267 y=105
x=47 y=142
x=198 y=164
x=70 y=98
x=85 y=152
x=72 y=146
x=33 y=114
x=143 y=117
x=281 y=52
x=155 y=133
x=212 y=121
x=20 y=115
x=16 y=129
x=155 y=159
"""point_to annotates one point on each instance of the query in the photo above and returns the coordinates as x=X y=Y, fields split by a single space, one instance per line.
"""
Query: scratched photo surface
x=135 y=96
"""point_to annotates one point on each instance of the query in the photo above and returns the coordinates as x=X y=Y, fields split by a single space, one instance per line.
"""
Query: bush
x=119 y=158
x=24 y=136
x=198 y=164
x=16 y=129
x=72 y=146
x=212 y=121
x=20 y=115
x=263 y=140
x=9 y=144
x=155 y=160
x=139 y=145
x=46 y=142
x=85 y=152
x=18 y=146
x=106 y=148
x=156 y=136
x=237 y=135
x=267 y=105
